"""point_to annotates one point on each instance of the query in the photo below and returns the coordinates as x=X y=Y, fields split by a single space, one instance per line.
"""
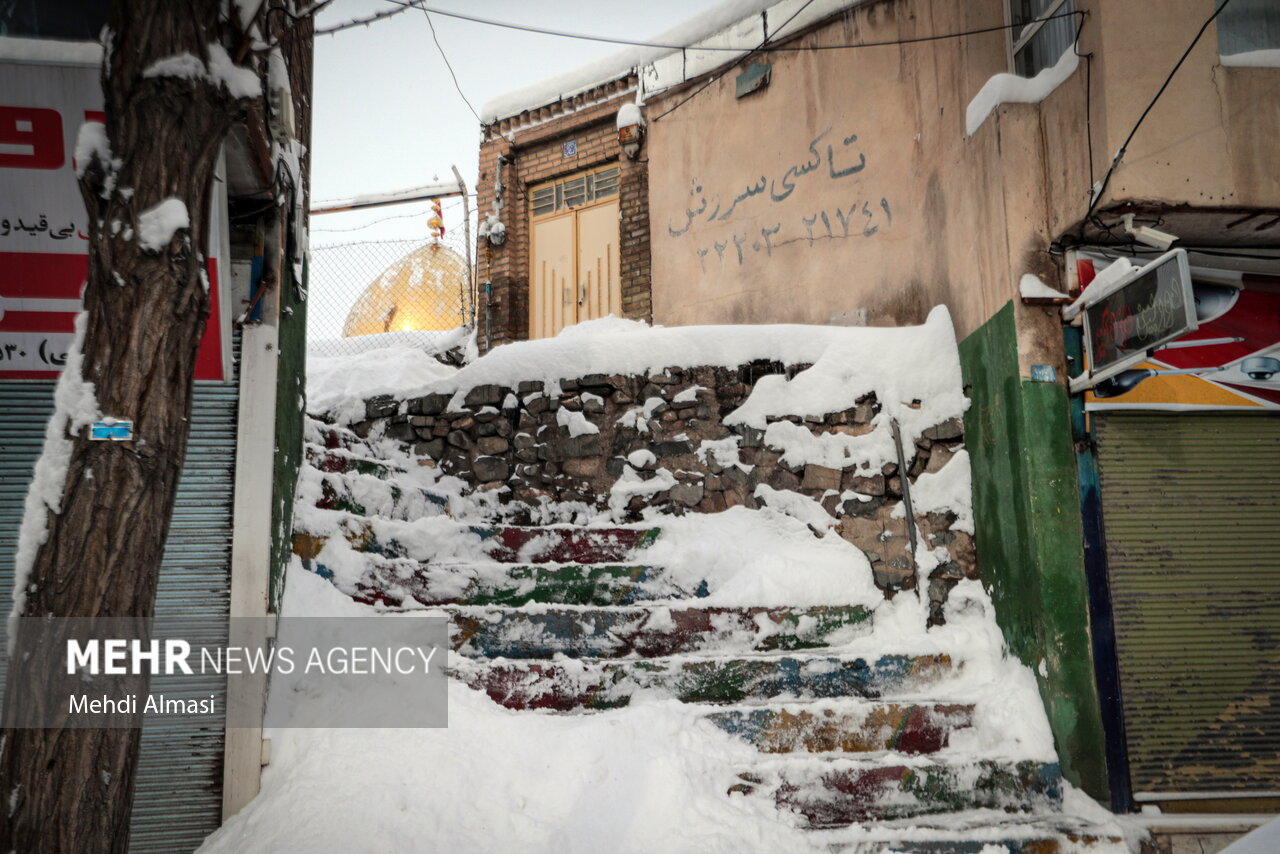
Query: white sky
x=387 y=116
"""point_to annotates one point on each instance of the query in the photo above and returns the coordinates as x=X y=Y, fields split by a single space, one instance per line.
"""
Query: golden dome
x=421 y=291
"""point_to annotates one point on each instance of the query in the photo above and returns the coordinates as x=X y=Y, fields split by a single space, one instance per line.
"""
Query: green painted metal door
x=1191 y=510
x=178 y=795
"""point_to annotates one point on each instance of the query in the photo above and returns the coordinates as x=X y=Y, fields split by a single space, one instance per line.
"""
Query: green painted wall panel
x=291 y=388
x=1029 y=539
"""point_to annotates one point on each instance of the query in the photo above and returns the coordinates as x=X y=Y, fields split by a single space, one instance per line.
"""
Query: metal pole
x=466 y=235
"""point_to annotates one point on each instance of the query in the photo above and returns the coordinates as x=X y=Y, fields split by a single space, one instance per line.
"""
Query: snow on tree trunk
x=171 y=92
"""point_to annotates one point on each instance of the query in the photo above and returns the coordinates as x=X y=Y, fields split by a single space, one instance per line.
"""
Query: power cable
x=447 y=64
x=714 y=78
x=405 y=5
x=1115 y=161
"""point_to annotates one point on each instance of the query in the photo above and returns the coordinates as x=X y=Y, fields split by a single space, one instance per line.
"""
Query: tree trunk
x=71 y=789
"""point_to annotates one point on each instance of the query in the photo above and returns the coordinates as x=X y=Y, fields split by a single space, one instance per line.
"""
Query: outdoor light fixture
x=1149 y=236
x=630 y=130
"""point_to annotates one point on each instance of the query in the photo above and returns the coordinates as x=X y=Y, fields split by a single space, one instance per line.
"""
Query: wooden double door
x=574 y=267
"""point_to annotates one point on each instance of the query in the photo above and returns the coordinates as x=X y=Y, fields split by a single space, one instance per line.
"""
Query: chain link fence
x=406 y=291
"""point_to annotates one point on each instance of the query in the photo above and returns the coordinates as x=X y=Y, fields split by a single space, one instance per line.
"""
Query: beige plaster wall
x=848 y=185
x=1211 y=139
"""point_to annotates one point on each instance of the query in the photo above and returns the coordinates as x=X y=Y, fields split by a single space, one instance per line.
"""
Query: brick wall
x=532 y=145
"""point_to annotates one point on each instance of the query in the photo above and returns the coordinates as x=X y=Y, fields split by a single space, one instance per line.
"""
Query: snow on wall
x=1012 y=89
x=737 y=24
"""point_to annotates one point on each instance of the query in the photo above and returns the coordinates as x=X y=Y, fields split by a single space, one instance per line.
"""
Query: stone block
x=583 y=466
x=861 y=531
x=431 y=404
x=492 y=445
x=490 y=468
x=433 y=448
x=671 y=448
x=459 y=439
x=865 y=509
x=400 y=430
x=939 y=456
x=485 y=395
x=821 y=478
x=381 y=406
x=527 y=387
x=587 y=445
x=873 y=485
x=751 y=437
x=946 y=431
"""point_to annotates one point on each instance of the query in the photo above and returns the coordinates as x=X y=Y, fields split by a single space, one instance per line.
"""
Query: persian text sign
x=1138 y=313
x=44 y=230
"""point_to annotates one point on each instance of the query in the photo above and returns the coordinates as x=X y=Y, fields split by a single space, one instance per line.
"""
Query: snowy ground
x=652 y=776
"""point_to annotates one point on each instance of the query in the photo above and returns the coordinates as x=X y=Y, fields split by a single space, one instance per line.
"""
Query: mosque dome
x=424 y=290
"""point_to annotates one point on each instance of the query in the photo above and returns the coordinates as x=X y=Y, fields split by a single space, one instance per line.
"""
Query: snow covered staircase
x=853 y=746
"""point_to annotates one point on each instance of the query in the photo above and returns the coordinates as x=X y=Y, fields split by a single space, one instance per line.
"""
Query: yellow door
x=553 y=297
x=599 y=288
x=574 y=267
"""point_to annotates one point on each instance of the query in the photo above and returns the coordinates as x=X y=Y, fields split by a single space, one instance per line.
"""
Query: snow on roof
x=735 y=23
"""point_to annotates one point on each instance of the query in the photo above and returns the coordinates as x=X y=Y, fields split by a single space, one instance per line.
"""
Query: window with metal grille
x=574 y=192
x=1040 y=39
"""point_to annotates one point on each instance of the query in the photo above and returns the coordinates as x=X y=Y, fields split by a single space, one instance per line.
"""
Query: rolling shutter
x=178 y=797
x=1191 y=508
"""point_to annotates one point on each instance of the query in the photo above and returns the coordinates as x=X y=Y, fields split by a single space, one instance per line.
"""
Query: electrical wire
x=405 y=5
x=714 y=78
x=1115 y=161
x=448 y=65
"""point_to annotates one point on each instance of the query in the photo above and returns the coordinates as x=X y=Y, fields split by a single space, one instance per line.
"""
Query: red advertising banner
x=43 y=225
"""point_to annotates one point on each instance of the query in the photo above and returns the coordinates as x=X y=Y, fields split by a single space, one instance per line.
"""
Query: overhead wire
x=405 y=5
x=1096 y=194
x=447 y=64
x=713 y=78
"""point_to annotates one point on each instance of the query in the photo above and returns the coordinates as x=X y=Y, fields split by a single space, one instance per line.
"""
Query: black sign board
x=1148 y=308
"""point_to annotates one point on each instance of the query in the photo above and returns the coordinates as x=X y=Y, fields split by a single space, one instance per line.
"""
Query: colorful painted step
x=345 y=462
x=365 y=495
x=826 y=794
x=397 y=584
x=564 y=544
x=1004 y=842
x=650 y=632
x=510 y=544
x=568 y=685
x=905 y=728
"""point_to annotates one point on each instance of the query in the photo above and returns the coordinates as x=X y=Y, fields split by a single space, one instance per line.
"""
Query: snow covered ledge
x=1012 y=89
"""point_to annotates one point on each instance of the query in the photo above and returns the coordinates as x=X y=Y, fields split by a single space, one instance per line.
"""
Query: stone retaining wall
x=631 y=443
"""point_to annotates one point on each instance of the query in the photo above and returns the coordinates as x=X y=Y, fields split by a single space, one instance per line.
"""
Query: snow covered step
x=505 y=544
x=398 y=583
x=905 y=728
x=509 y=544
x=365 y=495
x=650 y=632
x=574 y=684
x=345 y=462
x=1002 y=840
x=839 y=793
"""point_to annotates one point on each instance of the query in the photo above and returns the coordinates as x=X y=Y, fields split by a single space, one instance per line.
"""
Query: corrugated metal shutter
x=179 y=784
x=1191 y=508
